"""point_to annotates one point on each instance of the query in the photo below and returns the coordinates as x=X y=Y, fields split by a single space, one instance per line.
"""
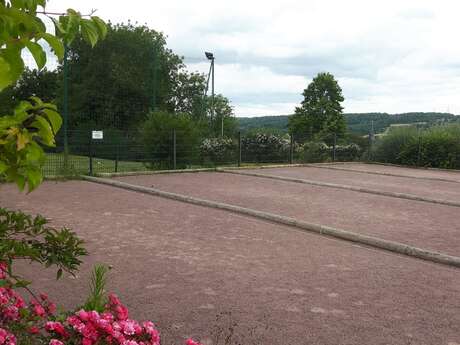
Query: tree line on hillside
x=357 y=123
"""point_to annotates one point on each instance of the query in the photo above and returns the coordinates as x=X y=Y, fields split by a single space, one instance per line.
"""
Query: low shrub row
x=437 y=147
x=317 y=152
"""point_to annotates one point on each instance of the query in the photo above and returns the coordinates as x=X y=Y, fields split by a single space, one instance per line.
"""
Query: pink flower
x=39 y=310
x=43 y=296
x=122 y=312
x=51 y=308
x=53 y=326
x=34 y=330
x=7 y=338
x=190 y=341
x=55 y=342
x=113 y=299
x=87 y=341
x=11 y=312
x=3 y=269
x=155 y=337
x=83 y=315
x=130 y=342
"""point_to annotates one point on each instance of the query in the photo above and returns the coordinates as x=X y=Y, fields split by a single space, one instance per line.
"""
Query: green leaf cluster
x=33 y=124
x=30 y=238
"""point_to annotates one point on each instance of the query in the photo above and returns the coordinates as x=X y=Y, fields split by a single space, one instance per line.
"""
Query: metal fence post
x=334 y=148
x=90 y=155
x=419 y=153
x=174 y=150
x=239 y=149
x=117 y=154
x=291 y=149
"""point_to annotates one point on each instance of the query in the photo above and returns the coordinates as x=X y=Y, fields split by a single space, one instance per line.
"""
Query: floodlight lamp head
x=210 y=56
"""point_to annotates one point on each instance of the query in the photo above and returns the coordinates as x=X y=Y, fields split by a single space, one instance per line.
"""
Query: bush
x=314 y=152
x=437 y=147
x=156 y=138
x=317 y=152
x=347 y=153
x=217 y=150
x=261 y=147
x=387 y=149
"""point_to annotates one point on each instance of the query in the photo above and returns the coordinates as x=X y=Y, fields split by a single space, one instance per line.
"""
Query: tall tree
x=321 y=112
x=223 y=111
x=132 y=71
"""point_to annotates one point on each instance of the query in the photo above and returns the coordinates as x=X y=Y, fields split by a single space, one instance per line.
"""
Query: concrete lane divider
x=332 y=167
x=371 y=241
x=346 y=187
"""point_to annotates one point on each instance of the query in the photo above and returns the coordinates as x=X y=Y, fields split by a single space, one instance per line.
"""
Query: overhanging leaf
x=11 y=66
x=89 y=31
x=101 y=26
x=55 y=44
x=54 y=118
x=38 y=53
x=45 y=131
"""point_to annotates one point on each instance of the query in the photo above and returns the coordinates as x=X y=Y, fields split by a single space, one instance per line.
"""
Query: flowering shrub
x=217 y=150
x=261 y=147
x=38 y=323
x=317 y=152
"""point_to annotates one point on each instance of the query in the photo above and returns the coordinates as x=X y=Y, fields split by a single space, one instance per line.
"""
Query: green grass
x=77 y=165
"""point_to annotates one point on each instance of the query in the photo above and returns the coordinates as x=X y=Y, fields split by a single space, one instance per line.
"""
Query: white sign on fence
x=98 y=135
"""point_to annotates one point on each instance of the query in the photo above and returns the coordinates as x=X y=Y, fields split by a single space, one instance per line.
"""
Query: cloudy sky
x=389 y=56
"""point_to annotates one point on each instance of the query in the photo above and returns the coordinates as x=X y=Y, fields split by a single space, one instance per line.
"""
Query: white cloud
x=391 y=55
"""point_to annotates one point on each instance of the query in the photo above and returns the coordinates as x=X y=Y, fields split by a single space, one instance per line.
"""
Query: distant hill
x=357 y=123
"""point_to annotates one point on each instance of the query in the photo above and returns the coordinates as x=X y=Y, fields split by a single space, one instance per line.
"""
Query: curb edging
x=382 y=173
x=375 y=242
x=345 y=187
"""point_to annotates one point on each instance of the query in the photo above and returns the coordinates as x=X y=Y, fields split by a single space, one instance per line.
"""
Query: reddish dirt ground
x=426 y=188
x=422 y=224
x=181 y=264
x=414 y=172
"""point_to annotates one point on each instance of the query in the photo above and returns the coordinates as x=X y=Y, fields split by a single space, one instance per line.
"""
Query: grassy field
x=54 y=165
x=78 y=165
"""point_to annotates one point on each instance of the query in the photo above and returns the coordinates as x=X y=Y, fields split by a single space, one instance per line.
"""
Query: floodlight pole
x=212 y=88
x=210 y=56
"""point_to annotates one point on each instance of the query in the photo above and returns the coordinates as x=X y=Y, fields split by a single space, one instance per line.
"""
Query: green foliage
x=222 y=109
x=264 y=123
x=22 y=135
x=25 y=237
x=131 y=72
x=156 y=136
x=359 y=124
x=33 y=122
x=263 y=147
x=321 y=110
x=388 y=148
x=314 y=152
x=97 y=298
x=218 y=151
x=39 y=83
x=437 y=147
x=318 y=152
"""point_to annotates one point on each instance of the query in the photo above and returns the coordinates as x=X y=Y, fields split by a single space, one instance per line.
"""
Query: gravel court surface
x=432 y=189
x=425 y=225
x=453 y=175
x=182 y=264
